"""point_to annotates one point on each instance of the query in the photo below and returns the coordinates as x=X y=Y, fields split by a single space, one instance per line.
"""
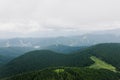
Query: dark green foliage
x=36 y=60
x=9 y=53
x=3 y=59
x=109 y=52
x=68 y=74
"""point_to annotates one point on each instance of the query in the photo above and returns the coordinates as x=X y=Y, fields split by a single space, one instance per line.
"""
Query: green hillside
x=36 y=60
x=9 y=53
x=108 y=52
x=3 y=59
x=59 y=70
x=107 y=56
x=99 y=64
x=67 y=74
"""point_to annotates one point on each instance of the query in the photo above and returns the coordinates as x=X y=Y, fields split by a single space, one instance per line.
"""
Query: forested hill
x=108 y=52
x=36 y=60
x=9 y=53
x=40 y=59
x=67 y=74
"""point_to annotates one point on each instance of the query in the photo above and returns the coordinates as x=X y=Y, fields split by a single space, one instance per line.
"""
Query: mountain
x=78 y=40
x=108 y=52
x=9 y=53
x=14 y=51
x=107 y=55
x=41 y=59
x=67 y=74
x=64 y=49
x=4 y=60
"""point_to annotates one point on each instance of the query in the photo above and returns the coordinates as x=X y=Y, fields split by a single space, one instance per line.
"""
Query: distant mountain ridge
x=65 y=49
x=96 y=37
x=9 y=53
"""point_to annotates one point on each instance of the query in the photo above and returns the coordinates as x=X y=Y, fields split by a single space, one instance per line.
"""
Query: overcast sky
x=39 y=18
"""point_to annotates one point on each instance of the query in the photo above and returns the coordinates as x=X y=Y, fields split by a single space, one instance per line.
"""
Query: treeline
x=68 y=74
x=37 y=60
x=109 y=52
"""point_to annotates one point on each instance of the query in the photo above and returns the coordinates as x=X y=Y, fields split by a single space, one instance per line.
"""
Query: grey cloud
x=57 y=17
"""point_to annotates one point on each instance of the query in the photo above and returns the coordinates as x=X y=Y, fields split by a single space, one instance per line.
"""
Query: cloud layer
x=38 y=18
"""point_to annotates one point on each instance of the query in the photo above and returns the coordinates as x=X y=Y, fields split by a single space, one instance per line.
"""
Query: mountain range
x=102 y=56
x=92 y=56
x=88 y=39
x=9 y=53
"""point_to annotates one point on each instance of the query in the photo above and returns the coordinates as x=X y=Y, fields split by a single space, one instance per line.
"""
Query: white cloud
x=22 y=27
x=57 y=17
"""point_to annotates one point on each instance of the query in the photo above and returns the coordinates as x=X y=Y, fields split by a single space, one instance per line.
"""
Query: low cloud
x=31 y=18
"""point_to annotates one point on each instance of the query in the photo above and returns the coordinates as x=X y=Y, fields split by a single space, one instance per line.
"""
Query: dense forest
x=99 y=56
x=36 y=60
x=9 y=53
x=109 y=52
x=67 y=74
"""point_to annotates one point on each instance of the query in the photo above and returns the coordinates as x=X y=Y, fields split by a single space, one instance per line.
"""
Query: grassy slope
x=59 y=70
x=108 y=52
x=99 y=64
